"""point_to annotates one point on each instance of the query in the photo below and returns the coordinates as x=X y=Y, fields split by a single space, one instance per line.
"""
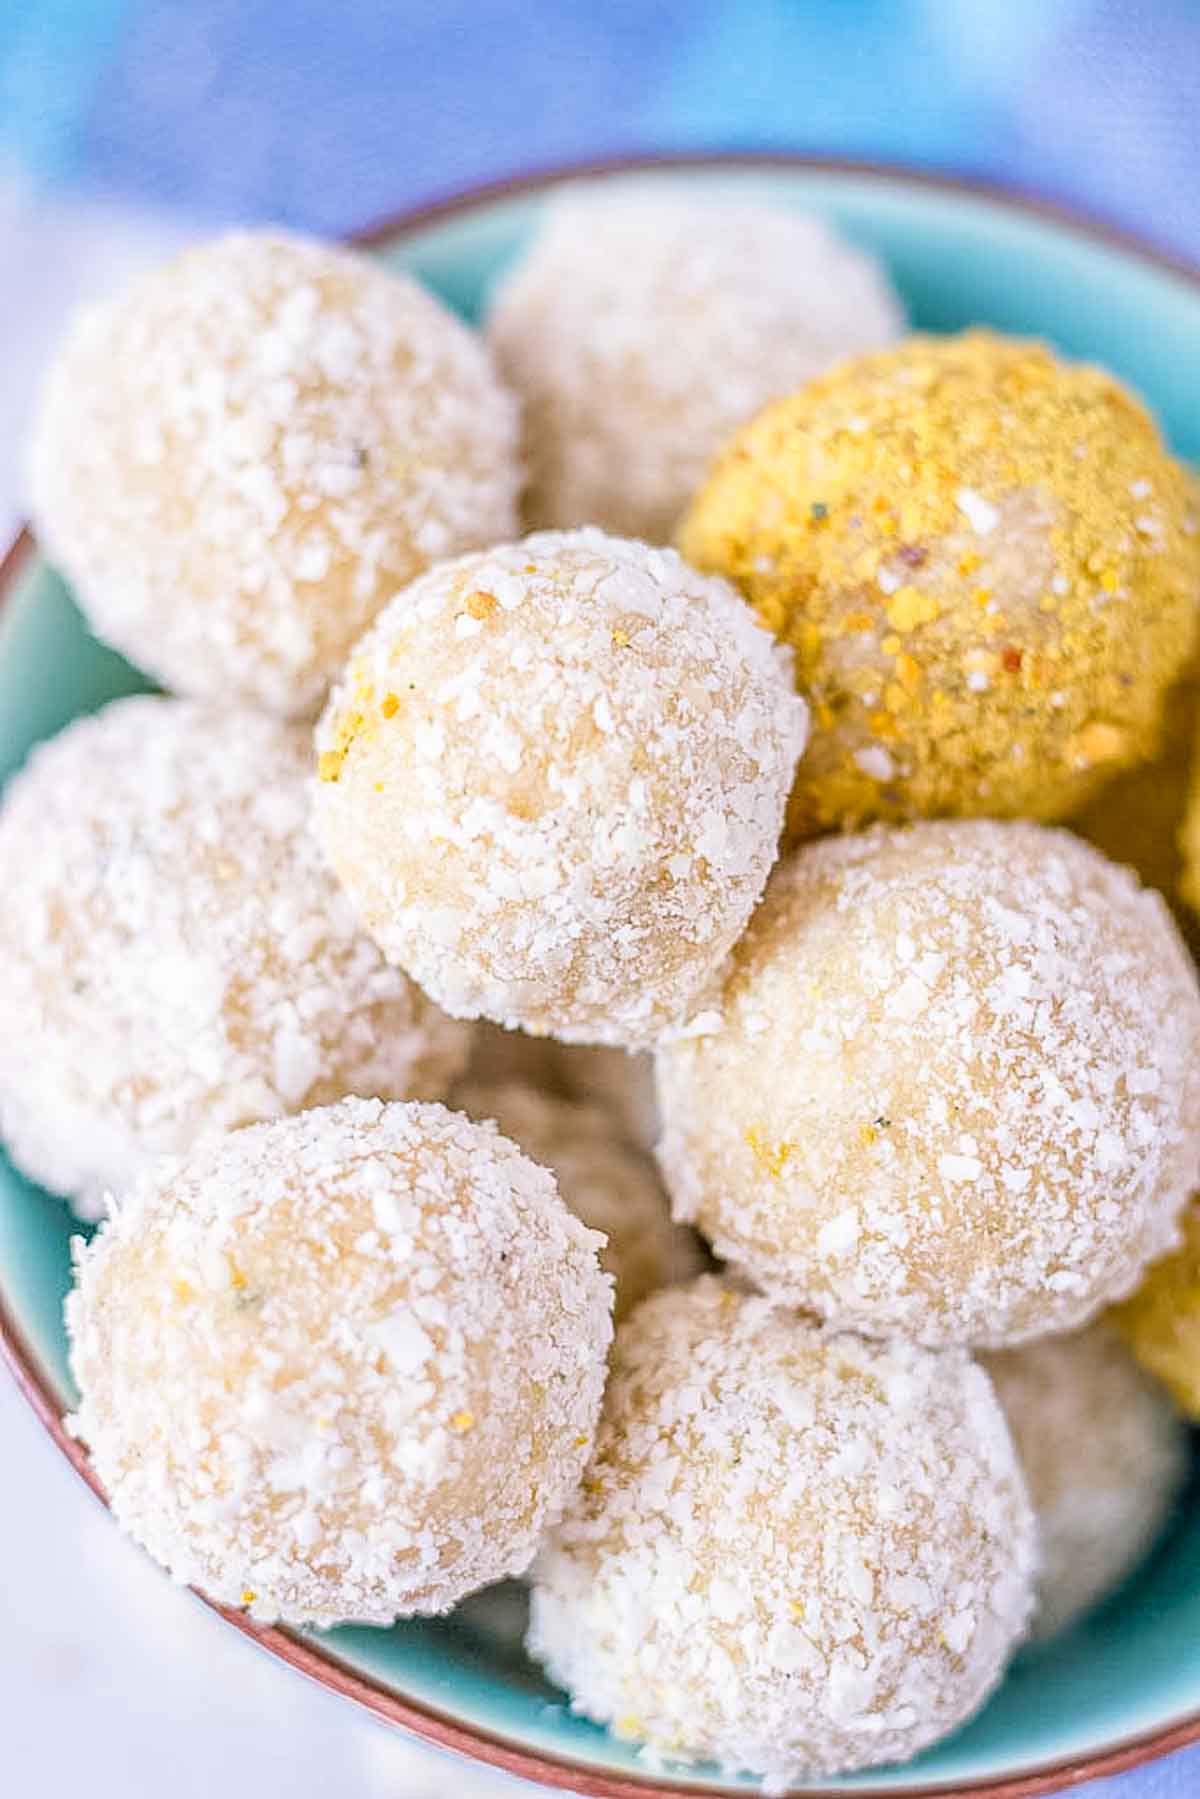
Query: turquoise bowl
x=1124 y=1685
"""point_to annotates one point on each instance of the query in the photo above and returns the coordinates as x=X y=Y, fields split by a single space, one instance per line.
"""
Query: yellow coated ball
x=985 y=560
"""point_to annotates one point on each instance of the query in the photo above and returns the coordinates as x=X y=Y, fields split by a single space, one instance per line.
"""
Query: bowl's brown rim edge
x=302 y=1653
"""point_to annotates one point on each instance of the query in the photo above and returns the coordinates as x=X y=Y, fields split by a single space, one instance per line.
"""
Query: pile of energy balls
x=347 y=1039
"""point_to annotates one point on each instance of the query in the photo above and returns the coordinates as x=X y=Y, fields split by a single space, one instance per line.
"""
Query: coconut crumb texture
x=987 y=564
x=175 y=959
x=605 y=1180
x=1161 y=1321
x=1104 y=1455
x=793 y=1552
x=237 y=461
x=641 y=330
x=951 y=1088
x=552 y=781
x=378 y=1344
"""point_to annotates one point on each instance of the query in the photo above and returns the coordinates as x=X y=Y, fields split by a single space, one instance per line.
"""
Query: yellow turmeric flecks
x=772 y=1159
x=976 y=494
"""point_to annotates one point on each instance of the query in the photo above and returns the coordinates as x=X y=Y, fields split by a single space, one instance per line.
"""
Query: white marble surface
x=113 y=1682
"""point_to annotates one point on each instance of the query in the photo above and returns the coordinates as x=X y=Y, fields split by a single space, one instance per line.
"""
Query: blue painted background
x=327 y=112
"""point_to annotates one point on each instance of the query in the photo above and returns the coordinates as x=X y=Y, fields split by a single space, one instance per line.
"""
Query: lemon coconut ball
x=552 y=781
x=1161 y=1321
x=378 y=1345
x=951 y=1088
x=1104 y=1454
x=641 y=329
x=175 y=958
x=793 y=1552
x=605 y=1180
x=238 y=460
x=982 y=556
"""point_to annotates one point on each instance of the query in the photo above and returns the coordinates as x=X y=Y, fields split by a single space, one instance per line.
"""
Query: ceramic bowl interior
x=1125 y=1683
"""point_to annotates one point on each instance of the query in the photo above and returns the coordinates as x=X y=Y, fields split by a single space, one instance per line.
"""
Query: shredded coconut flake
x=175 y=959
x=480 y=817
x=985 y=1039
x=239 y=459
x=641 y=331
x=793 y=1552
x=607 y=1182
x=378 y=1343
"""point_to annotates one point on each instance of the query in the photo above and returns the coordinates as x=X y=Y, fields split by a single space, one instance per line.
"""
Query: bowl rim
x=314 y=1659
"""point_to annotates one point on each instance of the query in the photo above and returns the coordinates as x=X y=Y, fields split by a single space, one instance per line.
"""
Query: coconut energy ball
x=1104 y=1456
x=603 y=1179
x=175 y=959
x=951 y=1088
x=1161 y=1322
x=793 y=1552
x=641 y=330
x=552 y=781
x=344 y=1366
x=238 y=460
x=983 y=558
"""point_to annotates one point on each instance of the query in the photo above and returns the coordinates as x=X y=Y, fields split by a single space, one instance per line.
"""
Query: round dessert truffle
x=1161 y=1322
x=553 y=779
x=238 y=460
x=952 y=1085
x=1104 y=1456
x=793 y=1552
x=981 y=556
x=641 y=329
x=604 y=1180
x=175 y=958
x=621 y=1082
x=342 y=1366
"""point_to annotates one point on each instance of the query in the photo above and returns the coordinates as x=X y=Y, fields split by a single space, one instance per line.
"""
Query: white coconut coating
x=239 y=459
x=793 y=1552
x=952 y=1085
x=641 y=329
x=342 y=1366
x=175 y=958
x=1104 y=1455
x=552 y=781
x=604 y=1179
